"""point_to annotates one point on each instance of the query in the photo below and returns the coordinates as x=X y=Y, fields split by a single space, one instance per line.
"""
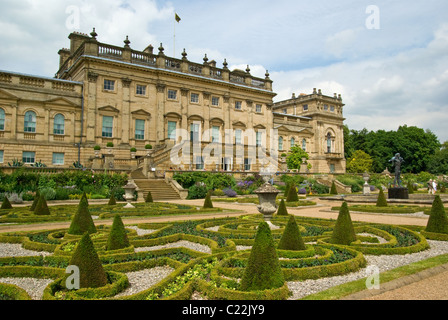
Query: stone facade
x=108 y=94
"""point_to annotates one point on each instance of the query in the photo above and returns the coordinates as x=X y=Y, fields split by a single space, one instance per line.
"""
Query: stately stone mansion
x=133 y=104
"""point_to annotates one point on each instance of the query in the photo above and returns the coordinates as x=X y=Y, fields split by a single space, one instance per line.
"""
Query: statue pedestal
x=398 y=193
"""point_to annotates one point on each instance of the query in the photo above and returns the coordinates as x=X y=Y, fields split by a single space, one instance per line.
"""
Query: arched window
x=304 y=144
x=2 y=119
x=59 y=124
x=30 y=122
x=329 y=143
x=280 y=143
x=293 y=142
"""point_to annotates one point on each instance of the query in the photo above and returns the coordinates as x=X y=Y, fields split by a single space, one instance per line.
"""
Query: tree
x=82 y=221
x=208 y=201
x=381 y=200
x=438 y=221
x=282 y=211
x=112 y=200
x=291 y=238
x=148 y=198
x=295 y=156
x=333 y=189
x=343 y=232
x=85 y=257
x=292 y=194
x=6 y=204
x=118 y=238
x=360 y=162
x=438 y=163
x=41 y=208
x=263 y=267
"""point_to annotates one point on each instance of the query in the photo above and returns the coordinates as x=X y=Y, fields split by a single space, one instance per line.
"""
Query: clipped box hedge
x=12 y=292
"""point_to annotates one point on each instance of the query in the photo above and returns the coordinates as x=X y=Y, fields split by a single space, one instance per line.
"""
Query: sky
x=387 y=58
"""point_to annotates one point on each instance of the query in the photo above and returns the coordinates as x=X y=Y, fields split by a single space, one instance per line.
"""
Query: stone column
x=126 y=111
x=160 y=112
x=90 y=107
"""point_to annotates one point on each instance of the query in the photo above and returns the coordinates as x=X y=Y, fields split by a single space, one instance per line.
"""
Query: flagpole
x=174 y=40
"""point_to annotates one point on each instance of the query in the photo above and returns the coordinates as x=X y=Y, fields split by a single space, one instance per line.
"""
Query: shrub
x=288 y=186
x=343 y=232
x=97 y=147
x=110 y=145
x=437 y=222
x=133 y=149
x=410 y=188
x=198 y=191
x=6 y=204
x=48 y=193
x=282 y=211
x=291 y=238
x=112 y=200
x=302 y=191
x=36 y=199
x=82 y=221
x=208 y=201
x=263 y=268
x=92 y=274
x=148 y=146
x=148 y=198
x=333 y=189
x=117 y=236
x=41 y=207
x=230 y=193
x=292 y=194
x=381 y=201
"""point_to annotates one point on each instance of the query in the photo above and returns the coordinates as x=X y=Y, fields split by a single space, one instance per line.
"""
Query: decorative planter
x=267 y=194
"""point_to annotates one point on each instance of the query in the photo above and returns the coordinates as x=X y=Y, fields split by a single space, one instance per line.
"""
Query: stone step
x=159 y=189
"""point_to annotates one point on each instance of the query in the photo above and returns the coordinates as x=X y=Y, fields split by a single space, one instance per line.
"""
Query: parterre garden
x=245 y=258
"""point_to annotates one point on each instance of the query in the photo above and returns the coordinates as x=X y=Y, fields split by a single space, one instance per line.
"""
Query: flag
x=176 y=17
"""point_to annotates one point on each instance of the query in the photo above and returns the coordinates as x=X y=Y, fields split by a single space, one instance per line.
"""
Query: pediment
x=259 y=126
x=141 y=112
x=239 y=124
x=109 y=109
x=7 y=95
x=61 y=102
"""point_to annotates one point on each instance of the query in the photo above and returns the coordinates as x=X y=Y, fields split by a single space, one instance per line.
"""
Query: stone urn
x=267 y=194
x=129 y=193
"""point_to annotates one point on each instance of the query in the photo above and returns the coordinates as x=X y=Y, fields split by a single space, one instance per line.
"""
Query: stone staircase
x=159 y=188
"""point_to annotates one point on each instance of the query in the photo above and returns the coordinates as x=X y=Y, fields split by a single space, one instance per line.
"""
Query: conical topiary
x=148 y=198
x=41 y=208
x=291 y=238
x=112 y=200
x=288 y=186
x=82 y=221
x=35 y=201
x=208 y=201
x=343 y=232
x=381 y=201
x=410 y=188
x=84 y=198
x=292 y=194
x=6 y=204
x=282 y=211
x=85 y=257
x=333 y=189
x=438 y=221
x=263 y=268
x=118 y=238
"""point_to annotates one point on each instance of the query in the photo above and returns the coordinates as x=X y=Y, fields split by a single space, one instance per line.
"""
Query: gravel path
x=145 y=279
x=34 y=287
x=16 y=250
x=187 y=244
x=301 y=289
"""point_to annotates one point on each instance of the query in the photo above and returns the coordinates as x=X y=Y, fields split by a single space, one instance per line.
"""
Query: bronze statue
x=397 y=161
